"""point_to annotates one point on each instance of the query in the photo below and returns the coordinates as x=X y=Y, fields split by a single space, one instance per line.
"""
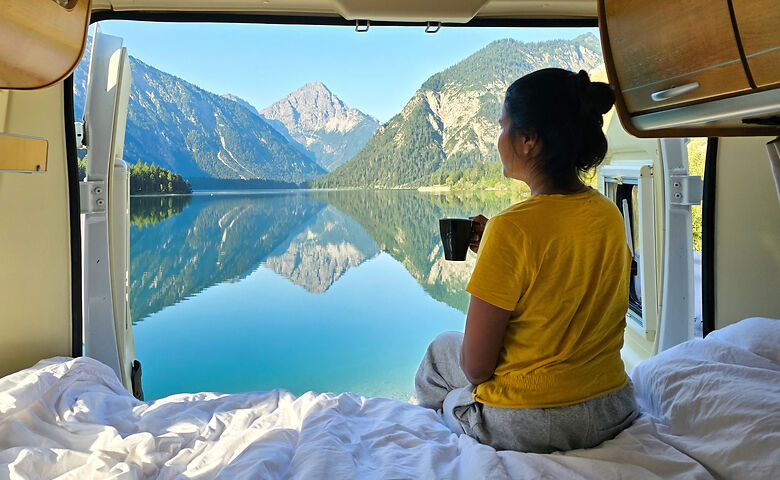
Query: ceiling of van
x=451 y=11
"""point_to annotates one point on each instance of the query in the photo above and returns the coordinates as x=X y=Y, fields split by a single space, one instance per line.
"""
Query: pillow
x=758 y=335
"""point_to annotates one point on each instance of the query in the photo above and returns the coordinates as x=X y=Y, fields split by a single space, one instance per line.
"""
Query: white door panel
x=105 y=205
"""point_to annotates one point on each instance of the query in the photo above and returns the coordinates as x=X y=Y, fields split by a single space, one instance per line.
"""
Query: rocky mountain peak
x=317 y=119
x=316 y=88
x=313 y=107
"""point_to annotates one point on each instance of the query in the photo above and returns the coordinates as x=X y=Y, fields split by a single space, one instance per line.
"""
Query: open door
x=108 y=335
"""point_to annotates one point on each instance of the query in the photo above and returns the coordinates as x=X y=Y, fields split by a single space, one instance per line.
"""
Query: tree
x=149 y=178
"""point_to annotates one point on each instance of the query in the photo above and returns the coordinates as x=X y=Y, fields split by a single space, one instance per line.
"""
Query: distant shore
x=240 y=191
x=435 y=188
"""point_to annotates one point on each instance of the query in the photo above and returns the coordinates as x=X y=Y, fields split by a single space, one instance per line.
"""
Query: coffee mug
x=455 y=237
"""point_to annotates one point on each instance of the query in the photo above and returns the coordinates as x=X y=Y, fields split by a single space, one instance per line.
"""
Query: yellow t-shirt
x=561 y=264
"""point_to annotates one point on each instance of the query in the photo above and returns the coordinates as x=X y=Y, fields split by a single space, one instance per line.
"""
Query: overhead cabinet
x=41 y=41
x=678 y=65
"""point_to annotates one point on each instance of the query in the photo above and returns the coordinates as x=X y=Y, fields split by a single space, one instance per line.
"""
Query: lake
x=330 y=291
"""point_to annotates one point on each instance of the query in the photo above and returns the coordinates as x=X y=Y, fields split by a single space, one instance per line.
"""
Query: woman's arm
x=485 y=328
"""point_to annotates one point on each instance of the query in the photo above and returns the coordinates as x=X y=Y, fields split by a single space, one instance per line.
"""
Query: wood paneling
x=665 y=43
x=758 y=22
x=713 y=82
x=22 y=154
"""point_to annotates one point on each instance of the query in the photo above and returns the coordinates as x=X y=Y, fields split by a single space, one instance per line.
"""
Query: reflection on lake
x=303 y=290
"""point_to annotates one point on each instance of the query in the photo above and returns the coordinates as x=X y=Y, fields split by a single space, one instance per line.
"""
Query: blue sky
x=376 y=72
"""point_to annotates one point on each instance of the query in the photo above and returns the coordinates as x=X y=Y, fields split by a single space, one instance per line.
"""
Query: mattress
x=711 y=409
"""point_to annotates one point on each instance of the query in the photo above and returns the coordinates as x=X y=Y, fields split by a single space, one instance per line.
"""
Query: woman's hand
x=476 y=231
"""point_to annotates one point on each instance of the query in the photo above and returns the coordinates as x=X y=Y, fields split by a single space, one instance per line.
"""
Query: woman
x=538 y=368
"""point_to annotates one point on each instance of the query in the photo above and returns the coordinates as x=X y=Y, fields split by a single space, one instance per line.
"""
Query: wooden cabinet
x=666 y=44
x=758 y=23
x=679 y=70
x=41 y=41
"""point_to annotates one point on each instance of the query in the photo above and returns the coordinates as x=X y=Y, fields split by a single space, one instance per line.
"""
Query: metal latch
x=92 y=194
x=81 y=139
x=618 y=179
x=362 y=27
x=685 y=189
x=432 y=27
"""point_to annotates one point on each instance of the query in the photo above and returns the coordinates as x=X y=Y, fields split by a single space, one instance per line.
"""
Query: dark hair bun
x=596 y=97
x=565 y=110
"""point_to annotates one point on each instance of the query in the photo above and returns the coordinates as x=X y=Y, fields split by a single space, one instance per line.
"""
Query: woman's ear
x=532 y=144
x=519 y=140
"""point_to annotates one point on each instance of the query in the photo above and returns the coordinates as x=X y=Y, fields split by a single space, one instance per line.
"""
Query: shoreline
x=436 y=189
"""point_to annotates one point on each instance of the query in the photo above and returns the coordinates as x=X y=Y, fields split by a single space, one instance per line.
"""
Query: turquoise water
x=323 y=291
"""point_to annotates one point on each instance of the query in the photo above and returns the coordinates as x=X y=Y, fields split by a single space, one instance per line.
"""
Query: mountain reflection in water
x=192 y=247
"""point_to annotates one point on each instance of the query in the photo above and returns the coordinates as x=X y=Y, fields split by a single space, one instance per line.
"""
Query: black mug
x=455 y=237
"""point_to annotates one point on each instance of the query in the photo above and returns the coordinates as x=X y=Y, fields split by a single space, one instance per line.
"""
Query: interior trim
x=708 y=238
x=75 y=219
x=223 y=17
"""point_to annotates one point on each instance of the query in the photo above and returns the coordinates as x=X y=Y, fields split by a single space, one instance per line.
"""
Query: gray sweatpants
x=440 y=384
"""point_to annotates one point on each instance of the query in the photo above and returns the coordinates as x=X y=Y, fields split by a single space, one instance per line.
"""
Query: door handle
x=662 y=95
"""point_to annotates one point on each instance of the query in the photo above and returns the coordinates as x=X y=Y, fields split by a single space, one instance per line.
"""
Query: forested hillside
x=448 y=130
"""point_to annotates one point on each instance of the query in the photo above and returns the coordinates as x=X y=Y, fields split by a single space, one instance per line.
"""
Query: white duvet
x=712 y=410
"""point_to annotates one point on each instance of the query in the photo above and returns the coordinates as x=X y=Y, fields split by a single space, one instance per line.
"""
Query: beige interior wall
x=747 y=233
x=35 y=281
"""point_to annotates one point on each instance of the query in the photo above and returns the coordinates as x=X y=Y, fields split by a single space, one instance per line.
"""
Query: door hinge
x=685 y=189
x=93 y=196
x=81 y=135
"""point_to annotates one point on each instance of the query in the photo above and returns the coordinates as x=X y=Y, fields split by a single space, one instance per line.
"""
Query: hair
x=564 y=109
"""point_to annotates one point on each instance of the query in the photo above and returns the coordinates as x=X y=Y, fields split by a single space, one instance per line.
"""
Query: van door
x=108 y=335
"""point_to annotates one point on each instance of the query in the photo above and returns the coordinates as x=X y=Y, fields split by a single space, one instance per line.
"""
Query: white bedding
x=712 y=410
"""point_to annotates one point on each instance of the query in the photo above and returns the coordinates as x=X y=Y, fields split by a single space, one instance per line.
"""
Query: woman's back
x=560 y=263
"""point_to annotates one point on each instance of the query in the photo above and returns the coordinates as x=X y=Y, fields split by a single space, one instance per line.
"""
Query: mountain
x=451 y=122
x=322 y=123
x=276 y=124
x=241 y=101
x=323 y=251
x=199 y=134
